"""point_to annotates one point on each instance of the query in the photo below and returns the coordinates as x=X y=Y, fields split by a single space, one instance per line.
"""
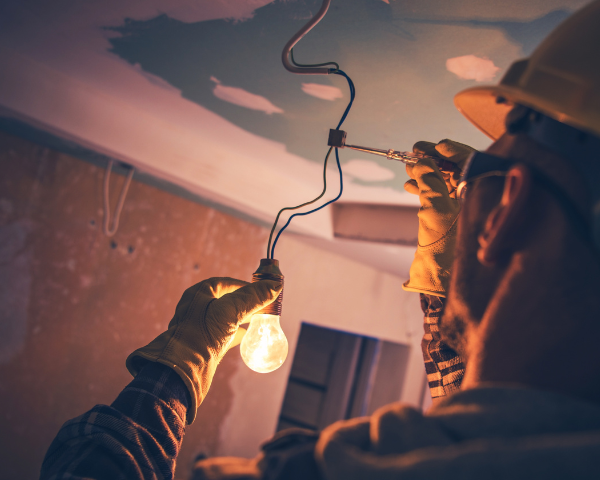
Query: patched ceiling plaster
x=194 y=92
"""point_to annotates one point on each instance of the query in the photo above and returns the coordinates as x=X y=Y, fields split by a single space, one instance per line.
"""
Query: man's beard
x=457 y=312
x=471 y=288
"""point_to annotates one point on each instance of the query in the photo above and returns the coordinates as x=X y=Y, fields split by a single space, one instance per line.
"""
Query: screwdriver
x=337 y=139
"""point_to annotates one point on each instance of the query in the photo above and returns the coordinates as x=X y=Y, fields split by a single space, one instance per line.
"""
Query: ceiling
x=193 y=91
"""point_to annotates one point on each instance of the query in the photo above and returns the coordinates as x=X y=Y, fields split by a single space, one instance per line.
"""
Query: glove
x=204 y=326
x=289 y=455
x=430 y=270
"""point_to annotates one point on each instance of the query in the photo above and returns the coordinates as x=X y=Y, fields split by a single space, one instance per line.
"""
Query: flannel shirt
x=140 y=434
x=137 y=437
x=444 y=367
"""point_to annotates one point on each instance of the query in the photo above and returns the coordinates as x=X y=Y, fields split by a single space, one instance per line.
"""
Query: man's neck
x=542 y=325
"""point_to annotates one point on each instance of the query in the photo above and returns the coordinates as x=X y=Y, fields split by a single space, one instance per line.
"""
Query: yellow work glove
x=204 y=326
x=430 y=270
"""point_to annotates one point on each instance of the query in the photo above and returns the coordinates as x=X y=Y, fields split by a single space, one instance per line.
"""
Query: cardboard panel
x=393 y=224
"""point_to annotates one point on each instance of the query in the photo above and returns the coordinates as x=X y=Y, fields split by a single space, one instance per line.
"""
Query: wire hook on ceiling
x=294 y=67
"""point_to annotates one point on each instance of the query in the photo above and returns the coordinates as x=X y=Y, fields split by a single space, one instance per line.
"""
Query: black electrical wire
x=324 y=165
x=271 y=250
x=337 y=67
x=299 y=206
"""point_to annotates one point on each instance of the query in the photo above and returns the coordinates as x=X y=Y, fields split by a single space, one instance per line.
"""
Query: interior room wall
x=74 y=303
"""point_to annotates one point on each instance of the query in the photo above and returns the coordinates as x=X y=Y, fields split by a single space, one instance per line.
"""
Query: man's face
x=472 y=285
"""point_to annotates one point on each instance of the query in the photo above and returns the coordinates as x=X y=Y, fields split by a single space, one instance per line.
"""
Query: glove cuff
x=430 y=270
x=194 y=370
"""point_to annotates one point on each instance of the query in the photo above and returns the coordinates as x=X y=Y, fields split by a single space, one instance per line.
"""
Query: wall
x=74 y=303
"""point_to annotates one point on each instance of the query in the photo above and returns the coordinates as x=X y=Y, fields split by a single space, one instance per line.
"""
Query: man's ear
x=504 y=222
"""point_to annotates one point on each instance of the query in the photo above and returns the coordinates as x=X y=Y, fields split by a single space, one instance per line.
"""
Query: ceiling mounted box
x=393 y=224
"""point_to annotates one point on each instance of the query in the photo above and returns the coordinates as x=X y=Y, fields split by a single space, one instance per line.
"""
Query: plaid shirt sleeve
x=137 y=437
x=445 y=368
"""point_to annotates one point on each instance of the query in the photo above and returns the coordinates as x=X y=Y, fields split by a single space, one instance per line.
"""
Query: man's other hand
x=430 y=270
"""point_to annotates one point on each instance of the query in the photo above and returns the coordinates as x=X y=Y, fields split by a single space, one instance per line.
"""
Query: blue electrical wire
x=337 y=158
x=352 y=95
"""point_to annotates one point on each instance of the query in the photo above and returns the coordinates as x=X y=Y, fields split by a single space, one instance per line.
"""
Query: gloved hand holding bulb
x=264 y=347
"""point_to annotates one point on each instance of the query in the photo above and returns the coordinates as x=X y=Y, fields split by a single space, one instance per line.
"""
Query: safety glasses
x=482 y=165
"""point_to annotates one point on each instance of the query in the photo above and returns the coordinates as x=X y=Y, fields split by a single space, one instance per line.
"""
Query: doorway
x=337 y=375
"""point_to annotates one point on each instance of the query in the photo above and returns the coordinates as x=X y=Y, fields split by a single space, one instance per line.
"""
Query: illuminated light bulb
x=264 y=348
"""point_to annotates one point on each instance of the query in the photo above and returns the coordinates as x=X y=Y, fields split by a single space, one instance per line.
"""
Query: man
x=519 y=307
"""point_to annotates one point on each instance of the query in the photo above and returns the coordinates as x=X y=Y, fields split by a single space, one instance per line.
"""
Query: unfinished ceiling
x=193 y=91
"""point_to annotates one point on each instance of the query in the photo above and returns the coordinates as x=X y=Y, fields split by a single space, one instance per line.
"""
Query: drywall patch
x=368 y=171
x=239 y=96
x=15 y=288
x=470 y=67
x=324 y=92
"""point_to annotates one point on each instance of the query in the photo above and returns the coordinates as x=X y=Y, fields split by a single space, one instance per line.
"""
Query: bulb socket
x=269 y=270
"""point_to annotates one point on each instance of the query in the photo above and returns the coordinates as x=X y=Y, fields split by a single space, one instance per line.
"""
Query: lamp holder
x=269 y=270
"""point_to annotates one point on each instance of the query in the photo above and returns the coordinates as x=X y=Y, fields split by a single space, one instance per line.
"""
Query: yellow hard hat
x=561 y=79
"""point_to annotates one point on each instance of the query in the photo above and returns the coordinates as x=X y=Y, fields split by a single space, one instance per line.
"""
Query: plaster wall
x=74 y=303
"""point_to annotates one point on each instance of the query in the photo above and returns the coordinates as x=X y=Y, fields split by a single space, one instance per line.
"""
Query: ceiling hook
x=285 y=55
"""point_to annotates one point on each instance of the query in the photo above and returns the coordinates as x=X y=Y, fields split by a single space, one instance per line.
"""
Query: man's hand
x=204 y=326
x=430 y=270
x=454 y=152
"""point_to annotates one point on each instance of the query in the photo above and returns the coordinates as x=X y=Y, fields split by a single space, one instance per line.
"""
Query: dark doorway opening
x=337 y=375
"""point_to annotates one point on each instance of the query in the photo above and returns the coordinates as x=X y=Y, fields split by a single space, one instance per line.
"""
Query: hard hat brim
x=481 y=107
x=486 y=107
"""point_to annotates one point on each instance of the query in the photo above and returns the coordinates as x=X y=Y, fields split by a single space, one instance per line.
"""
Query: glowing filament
x=264 y=348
